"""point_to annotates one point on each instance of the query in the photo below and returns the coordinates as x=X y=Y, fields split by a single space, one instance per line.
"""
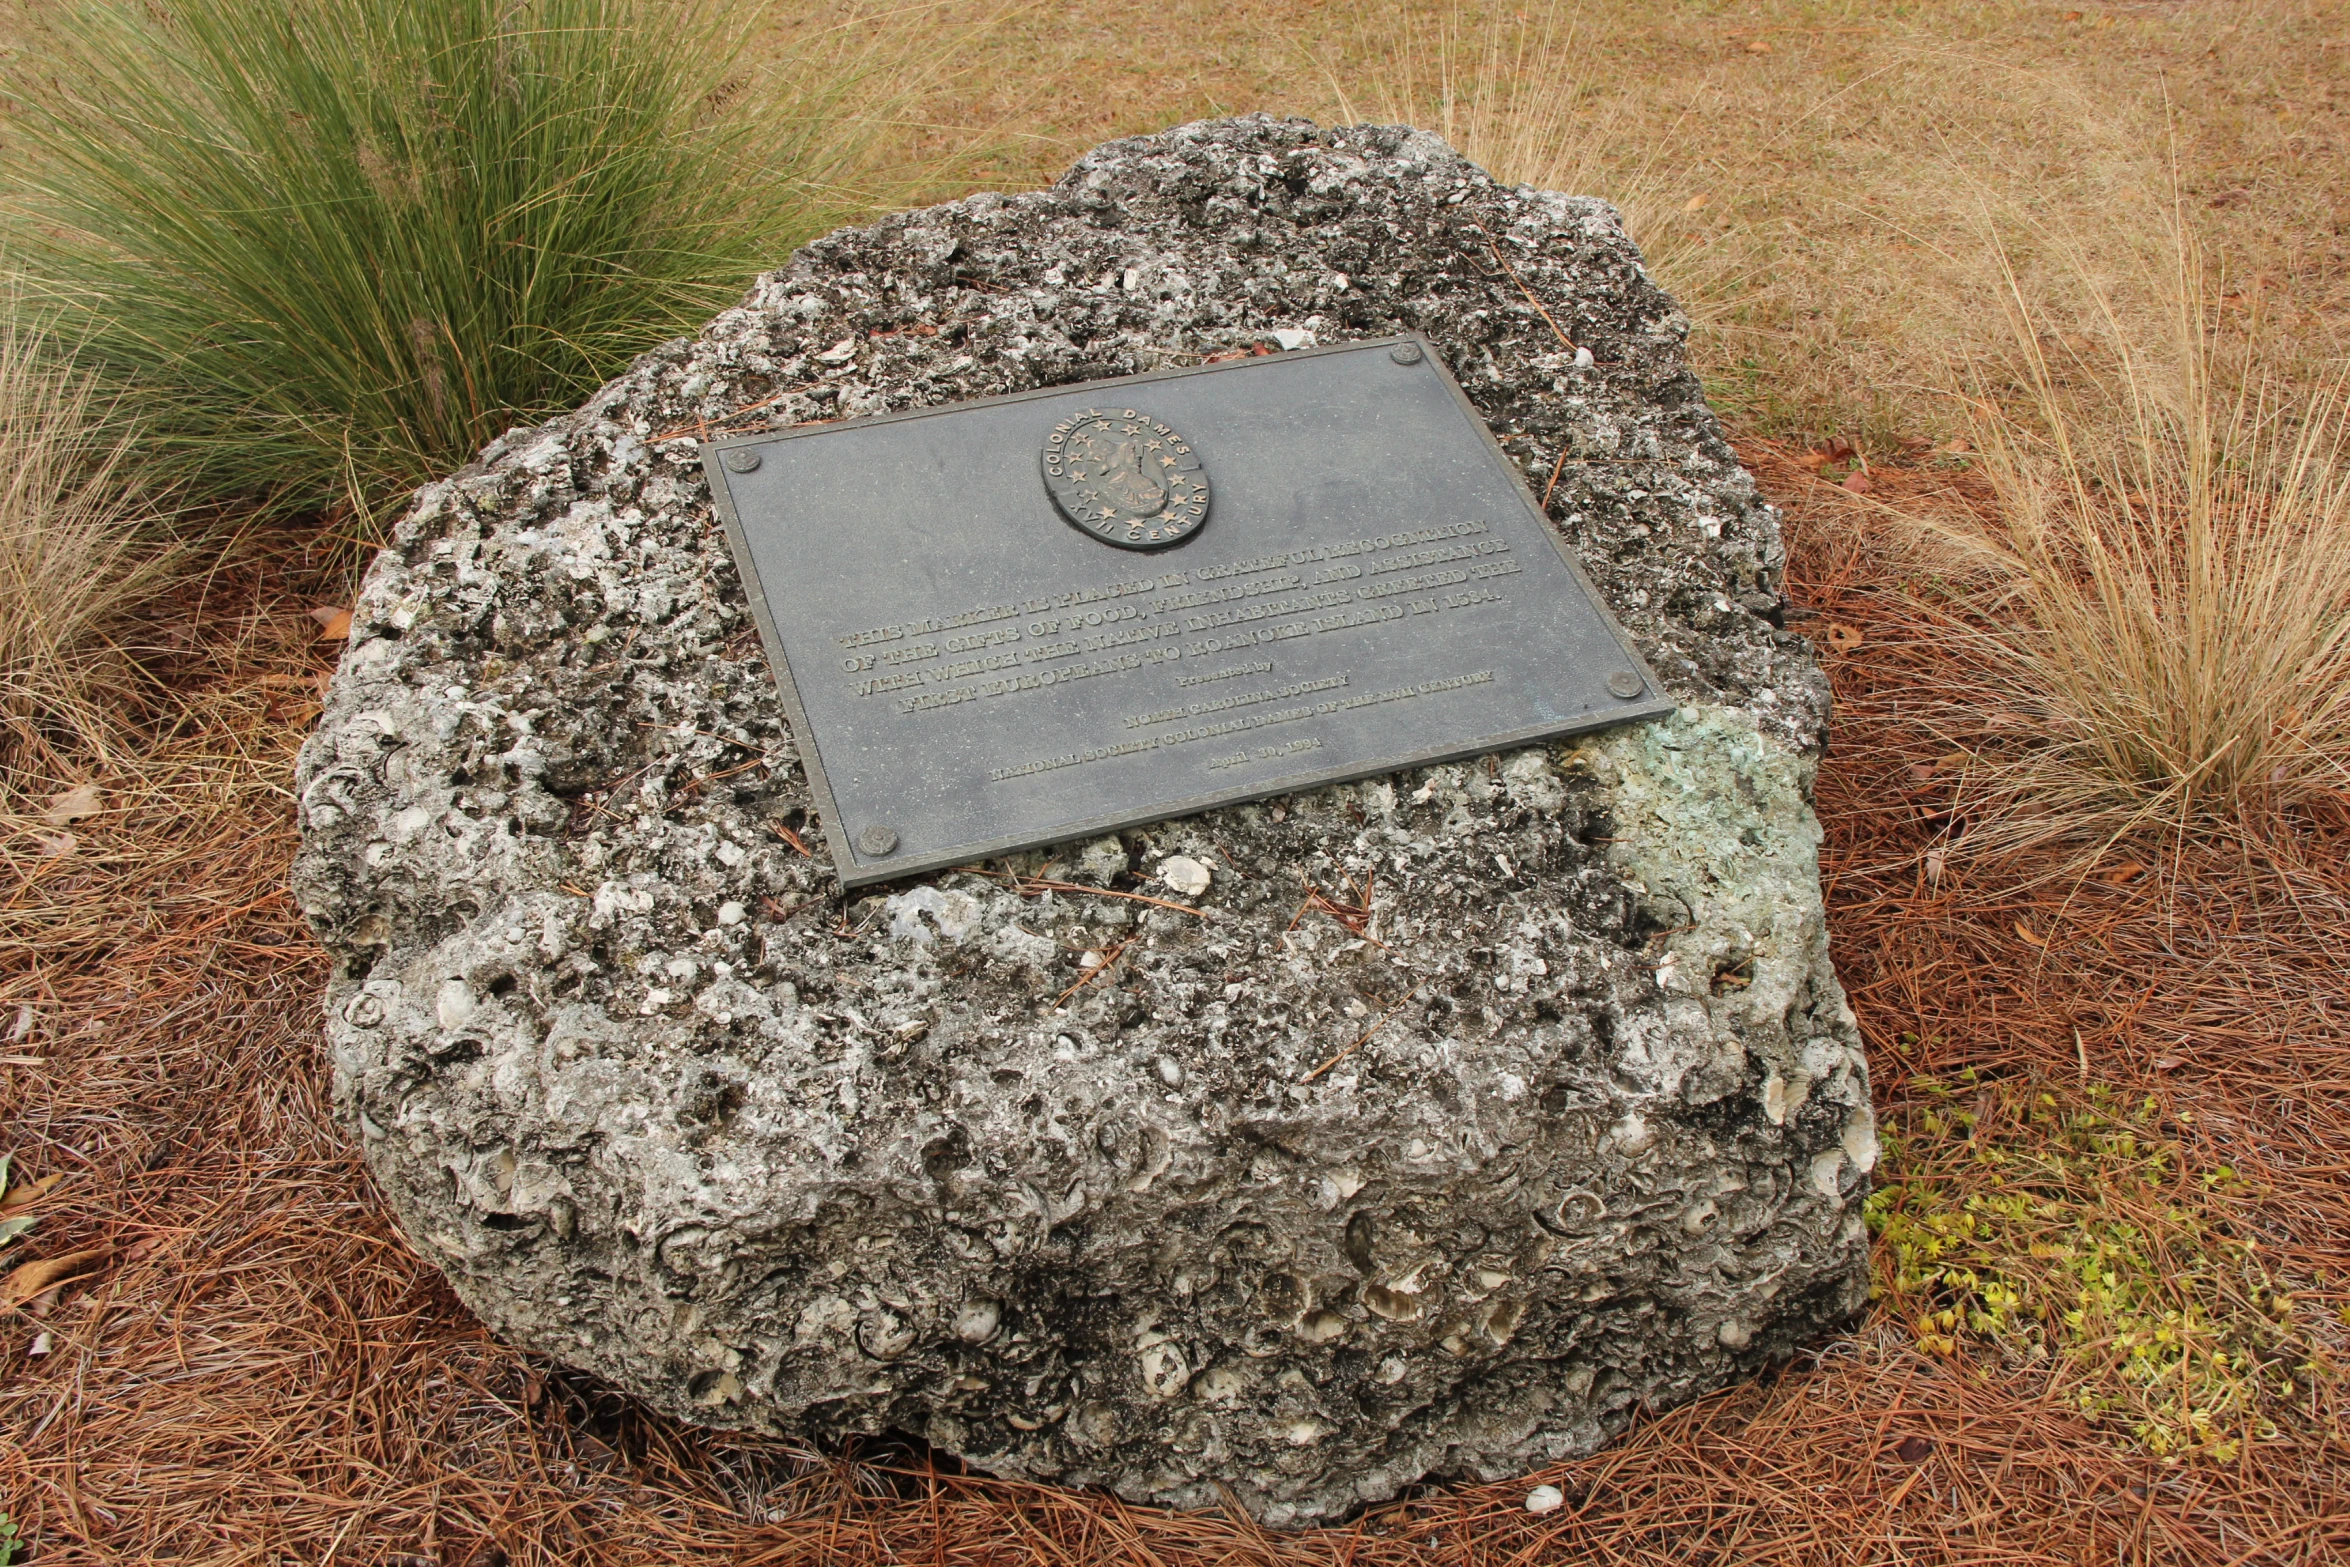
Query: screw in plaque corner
x=876 y=842
x=1626 y=684
x=740 y=459
x=1405 y=353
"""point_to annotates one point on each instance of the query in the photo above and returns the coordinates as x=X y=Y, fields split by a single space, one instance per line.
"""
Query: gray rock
x=1578 y=1122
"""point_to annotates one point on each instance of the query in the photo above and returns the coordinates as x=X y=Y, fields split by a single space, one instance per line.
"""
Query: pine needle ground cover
x=2109 y=1264
x=2113 y=1221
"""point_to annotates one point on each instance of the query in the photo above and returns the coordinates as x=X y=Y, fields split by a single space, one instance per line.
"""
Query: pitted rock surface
x=1283 y=1197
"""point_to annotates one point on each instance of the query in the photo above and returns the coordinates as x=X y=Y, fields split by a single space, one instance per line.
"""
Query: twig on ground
x=700 y=428
x=1355 y=917
x=1096 y=972
x=1364 y=1037
x=1030 y=886
x=1495 y=246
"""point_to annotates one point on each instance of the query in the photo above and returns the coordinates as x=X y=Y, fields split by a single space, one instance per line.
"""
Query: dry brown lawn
x=243 y=1362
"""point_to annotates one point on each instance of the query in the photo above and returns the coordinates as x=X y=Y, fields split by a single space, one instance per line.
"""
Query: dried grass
x=1843 y=156
x=2169 y=593
x=78 y=554
x=1517 y=96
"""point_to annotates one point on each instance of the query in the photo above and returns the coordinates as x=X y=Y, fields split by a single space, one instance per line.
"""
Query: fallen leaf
x=1840 y=450
x=25 y=1193
x=57 y=845
x=1913 y=1449
x=2122 y=874
x=1957 y=447
x=35 y=1277
x=1934 y=864
x=1954 y=761
x=1758 y=47
x=72 y=805
x=334 y=625
x=2169 y=1063
x=1843 y=638
x=2030 y=935
x=1696 y=203
x=1857 y=482
x=1815 y=460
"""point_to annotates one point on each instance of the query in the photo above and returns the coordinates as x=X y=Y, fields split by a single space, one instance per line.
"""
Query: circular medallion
x=1125 y=478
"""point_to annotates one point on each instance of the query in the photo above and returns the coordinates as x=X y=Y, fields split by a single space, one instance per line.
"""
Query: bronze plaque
x=976 y=659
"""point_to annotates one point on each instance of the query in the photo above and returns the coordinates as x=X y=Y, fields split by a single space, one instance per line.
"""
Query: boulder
x=1429 y=1125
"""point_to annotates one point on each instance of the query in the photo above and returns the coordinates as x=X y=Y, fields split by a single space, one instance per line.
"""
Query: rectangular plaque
x=1015 y=622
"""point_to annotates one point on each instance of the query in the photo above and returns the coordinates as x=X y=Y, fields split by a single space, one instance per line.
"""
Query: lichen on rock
x=1424 y=1125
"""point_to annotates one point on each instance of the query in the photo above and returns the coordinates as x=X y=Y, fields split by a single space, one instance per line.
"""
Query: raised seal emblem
x=1126 y=478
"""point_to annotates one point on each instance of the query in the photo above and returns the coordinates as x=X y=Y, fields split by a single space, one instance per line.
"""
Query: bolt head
x=1405 y=353
x=875 y=842
x=1626 y=684
x=740 y=459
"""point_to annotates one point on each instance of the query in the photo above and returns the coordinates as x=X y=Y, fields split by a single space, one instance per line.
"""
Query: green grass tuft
x=336 y=247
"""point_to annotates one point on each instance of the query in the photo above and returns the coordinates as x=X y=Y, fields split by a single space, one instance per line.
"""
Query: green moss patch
x=2078 y=1232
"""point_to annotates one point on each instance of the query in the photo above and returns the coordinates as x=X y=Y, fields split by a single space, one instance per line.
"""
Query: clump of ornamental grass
x=334 y=246
x=2170 y=596
x=79 y=552
x=1516 y=100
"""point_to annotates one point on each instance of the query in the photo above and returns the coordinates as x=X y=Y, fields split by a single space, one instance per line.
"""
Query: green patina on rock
x=1714 y=824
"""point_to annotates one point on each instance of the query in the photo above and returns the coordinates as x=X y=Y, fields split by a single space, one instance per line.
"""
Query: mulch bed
x=252 y=1366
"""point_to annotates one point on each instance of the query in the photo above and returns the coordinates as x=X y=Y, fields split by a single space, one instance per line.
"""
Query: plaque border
x=855 y=870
